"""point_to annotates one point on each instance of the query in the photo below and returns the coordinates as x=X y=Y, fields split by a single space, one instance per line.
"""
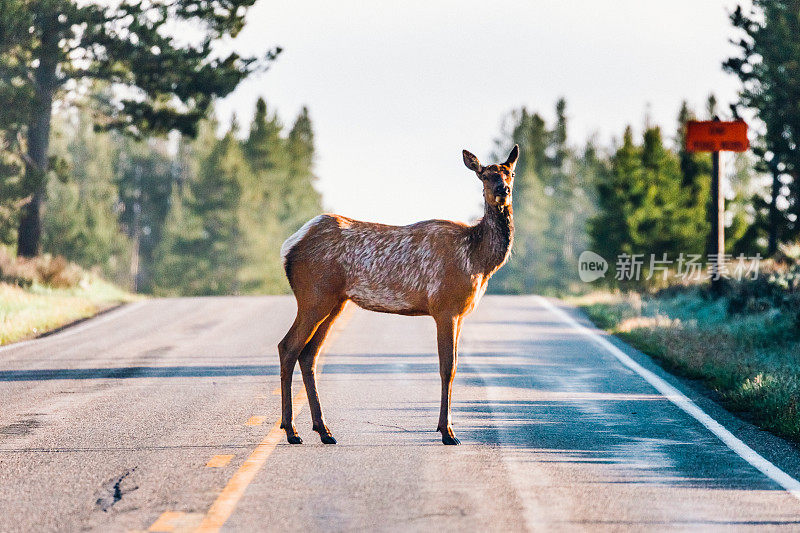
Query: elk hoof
x=448 y=437
x=450 y=440
x=324 y=434
x=294 y=439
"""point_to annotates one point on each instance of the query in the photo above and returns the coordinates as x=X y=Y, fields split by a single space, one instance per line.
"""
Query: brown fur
x=436 y=267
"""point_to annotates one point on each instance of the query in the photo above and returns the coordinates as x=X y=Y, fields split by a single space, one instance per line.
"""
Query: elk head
x=498 y=180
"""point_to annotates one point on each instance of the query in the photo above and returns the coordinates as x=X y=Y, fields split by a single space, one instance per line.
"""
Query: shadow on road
x=129 y=372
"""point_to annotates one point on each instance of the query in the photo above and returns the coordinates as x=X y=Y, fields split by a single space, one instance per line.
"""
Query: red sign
x=716 y=136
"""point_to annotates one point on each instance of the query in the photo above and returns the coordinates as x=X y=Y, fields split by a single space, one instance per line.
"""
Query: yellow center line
x=219 y=461
x=255 y=420
x=166 y=522
x=226 y=502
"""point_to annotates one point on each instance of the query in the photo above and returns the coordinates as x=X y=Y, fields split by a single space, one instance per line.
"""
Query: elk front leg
x=447 y=329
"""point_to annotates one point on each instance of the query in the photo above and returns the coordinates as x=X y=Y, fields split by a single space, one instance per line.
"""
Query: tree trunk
x=773 y=213
x=30 y=225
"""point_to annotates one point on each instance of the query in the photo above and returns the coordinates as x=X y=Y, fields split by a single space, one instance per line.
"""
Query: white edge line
x=791 y=485
x=70 y=331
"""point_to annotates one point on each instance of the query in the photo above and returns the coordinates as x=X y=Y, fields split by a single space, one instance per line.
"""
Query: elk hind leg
x=308 y=366
x=305 y=325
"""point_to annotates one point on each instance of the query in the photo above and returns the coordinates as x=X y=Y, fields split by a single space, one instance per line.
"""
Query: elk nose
x=502 y=190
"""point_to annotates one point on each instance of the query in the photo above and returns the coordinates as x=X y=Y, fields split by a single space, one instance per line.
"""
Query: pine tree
x=563 y=183
x=769 y=69
x=269 y=176
x=571 y=179
x=178 y=268
x=748 y=211
x=620 y=194
x=46 y=45
x=263 y=146
x=643 y=207
x=695 y=172
x=278 y=197
x=304 y=200
x=215 y=200
x=174 y=254
x=144 y=173
x=11 y=187
x=201 y=252
x=262 y=204
x=553 y=198
x=529 y=268
x=667 y=223
x=591 y=167
x=18 y=99
x=80 y=220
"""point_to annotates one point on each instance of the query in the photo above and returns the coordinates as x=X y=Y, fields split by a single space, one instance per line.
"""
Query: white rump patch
x=297 y=236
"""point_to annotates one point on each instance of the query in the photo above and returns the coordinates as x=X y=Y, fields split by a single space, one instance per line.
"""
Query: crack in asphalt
x=390 y=426
x=111 y=492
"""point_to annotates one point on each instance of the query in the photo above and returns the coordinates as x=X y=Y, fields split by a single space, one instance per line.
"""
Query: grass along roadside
x=750 y=361
x=37 y=309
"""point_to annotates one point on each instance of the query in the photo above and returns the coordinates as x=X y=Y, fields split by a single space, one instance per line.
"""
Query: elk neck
x=491 y=239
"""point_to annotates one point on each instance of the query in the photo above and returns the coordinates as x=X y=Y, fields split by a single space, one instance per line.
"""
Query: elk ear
x=511 y=162
x=471 y=161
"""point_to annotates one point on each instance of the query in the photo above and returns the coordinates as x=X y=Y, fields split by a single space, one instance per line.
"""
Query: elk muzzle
x=502 y=194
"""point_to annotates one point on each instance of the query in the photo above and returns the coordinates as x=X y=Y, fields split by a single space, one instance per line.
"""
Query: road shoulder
x=782 y=453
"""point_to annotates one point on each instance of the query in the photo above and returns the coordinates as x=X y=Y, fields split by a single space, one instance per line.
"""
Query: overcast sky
x=396 y=90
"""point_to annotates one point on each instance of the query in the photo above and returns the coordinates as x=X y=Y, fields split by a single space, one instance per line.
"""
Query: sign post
x=717 y=241
x=715 y=136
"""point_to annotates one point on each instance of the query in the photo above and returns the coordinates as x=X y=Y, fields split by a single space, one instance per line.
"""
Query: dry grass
x=29 y=312
x=44 y=293
x=53 y=271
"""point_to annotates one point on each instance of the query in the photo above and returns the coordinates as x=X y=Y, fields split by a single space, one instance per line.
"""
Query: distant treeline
x=182 y=216
x=648 y=195
x=638 y=196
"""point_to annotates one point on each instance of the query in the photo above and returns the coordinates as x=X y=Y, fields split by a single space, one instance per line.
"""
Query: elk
x=438 y=268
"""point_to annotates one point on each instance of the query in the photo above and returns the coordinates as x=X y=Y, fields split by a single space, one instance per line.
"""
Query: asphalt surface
x=110 y=426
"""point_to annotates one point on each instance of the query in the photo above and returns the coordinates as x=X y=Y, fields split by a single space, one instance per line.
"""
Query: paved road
x=112 y=426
